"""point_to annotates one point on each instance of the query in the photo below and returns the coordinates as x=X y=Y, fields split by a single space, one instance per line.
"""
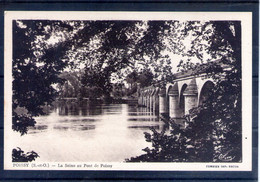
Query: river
x=86 y=132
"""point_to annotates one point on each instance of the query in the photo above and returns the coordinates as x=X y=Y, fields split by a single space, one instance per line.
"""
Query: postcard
x=141 y=91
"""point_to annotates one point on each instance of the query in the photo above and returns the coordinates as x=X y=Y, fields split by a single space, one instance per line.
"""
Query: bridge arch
x=145 y=97
x=148 y=98
x=152 y=100
x=191 y=96
x=168 y=92
x=177 y=98
x=181 y=98
x=205 y=91
x=162 y=101
x=174 y=109
x=155 y=95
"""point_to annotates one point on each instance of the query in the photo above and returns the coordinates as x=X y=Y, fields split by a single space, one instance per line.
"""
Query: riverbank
x=124 y=100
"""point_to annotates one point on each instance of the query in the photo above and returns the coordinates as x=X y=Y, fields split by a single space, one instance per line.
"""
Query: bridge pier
x=174 y=108
x=140 y=100
x=190 y=96
x=180 y=97
x=148 y=101
x=156 y=103
x=162 y=102
x=151 y=103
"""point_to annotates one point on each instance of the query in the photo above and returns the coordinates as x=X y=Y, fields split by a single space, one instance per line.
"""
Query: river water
x=86 y=132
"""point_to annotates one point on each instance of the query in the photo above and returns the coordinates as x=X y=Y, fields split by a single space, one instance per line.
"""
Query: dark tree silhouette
x=18 y=155
x=119 y=45
x=36 y=67
x=214 y=129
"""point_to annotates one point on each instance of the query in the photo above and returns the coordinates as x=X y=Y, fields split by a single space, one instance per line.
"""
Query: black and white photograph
x=128 y=91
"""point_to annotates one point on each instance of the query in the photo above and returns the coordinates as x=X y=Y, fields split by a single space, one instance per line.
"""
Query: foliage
x=106 y=51
x=118 y=90
x=93 y=78
x=145 y=78
x=132 y=77
x=213 y=130
x=179 y=145
x=109 y=47
x=18 y=155
x=92 y=92
x=43 y=49
x=22 y=122
x=223 y=107
x=71 y=85
x=35 y=68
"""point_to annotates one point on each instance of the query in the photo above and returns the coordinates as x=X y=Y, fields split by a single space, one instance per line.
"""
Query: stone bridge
x=175 y=99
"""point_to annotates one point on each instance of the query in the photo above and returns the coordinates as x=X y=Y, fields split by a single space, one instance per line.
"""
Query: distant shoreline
x=111 y=100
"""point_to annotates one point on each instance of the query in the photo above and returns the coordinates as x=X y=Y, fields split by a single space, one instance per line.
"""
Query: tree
x=145 y=78
x=131 y=78
x=18 y=155
x=214 y=129
x=43 y=48
x=223 y=107
x=36 y=66
x=111 y=51
x=71 y=85
x=111 y=46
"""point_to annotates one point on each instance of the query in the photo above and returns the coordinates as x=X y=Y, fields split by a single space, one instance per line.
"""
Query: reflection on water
x=144 y=127
x=142 y=119
x=85 y=132
x=40 y=127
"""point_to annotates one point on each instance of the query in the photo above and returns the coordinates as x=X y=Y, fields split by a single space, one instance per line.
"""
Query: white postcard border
x=246 y=24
